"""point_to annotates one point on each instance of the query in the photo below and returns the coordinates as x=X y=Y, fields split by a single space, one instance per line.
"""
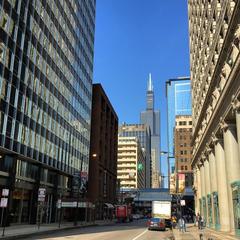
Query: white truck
x=162 y=209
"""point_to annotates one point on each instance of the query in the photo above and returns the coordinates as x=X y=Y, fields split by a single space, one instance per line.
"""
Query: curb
x=25 y=235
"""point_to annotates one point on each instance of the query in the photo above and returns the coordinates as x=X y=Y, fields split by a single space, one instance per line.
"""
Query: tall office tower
x=46 y=68
x=102 y=183
x=214 y=28
x=143 y=133
x=178 y=93
x=130 y=158
x=152 y=119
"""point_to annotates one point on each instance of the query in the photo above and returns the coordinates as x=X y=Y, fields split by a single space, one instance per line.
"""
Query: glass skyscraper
x=179 y=102
x=46 y=71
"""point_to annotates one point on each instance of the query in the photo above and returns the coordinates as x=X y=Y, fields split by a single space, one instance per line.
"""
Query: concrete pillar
x=212 y=170
x=203 y=191
x=236 y=108
x=213 y=184
x=208 y=193
x=238 y=129
x=232 y=163
x=198 y=183
x=222 y=186
x=197 y=189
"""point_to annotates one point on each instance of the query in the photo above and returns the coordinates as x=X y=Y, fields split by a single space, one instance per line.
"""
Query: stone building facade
x=215 y=73
x=143 y=133
x=131 y=163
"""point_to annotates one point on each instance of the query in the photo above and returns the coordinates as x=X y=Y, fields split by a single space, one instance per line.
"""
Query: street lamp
x=168 y=162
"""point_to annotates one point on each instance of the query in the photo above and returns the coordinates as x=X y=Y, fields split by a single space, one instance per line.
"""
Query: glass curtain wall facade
x=178 y=92
x=46 y=71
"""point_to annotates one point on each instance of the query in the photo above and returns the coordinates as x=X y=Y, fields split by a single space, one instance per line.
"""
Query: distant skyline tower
x=152 y=119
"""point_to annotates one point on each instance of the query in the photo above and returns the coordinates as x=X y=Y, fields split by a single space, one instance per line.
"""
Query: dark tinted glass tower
x=152 y=119
x=46 y=64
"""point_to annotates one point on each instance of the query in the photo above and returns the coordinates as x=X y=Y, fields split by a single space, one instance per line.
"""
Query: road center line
x=140 y=235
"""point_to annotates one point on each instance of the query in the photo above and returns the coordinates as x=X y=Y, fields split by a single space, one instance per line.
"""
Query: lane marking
x=140 y=235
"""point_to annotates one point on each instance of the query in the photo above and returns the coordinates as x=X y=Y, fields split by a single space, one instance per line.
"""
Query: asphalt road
x=136 y=230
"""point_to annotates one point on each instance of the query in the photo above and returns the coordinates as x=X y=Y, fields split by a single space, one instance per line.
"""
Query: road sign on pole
x=140 y=167
x=5 y=192
x=41 y=194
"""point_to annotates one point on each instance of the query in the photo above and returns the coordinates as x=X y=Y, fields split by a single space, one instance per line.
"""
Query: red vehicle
x=124 y=213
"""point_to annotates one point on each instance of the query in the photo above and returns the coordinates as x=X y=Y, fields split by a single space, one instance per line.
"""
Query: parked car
x=136 y=216
x=156 y=224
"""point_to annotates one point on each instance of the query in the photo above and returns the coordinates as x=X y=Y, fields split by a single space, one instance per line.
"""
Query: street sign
x=4 y=202
x=182 y=202
x=41 y=194
x=59 y=203
x=140 y=167
x=5 y=192
x=69 y=204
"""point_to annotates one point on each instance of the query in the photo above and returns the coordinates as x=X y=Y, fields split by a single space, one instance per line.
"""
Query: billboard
x=181 y=182
x=172 y=183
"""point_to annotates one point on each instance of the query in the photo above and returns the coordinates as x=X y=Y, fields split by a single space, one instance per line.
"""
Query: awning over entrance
x=108 y=205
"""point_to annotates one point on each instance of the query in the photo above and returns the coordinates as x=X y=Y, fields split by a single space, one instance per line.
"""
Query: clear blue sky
x=132 y=39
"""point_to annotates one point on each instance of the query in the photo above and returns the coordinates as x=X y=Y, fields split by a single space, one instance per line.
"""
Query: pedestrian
x=181 y=224
x=199 y=220
x=195 y=220
x=202 y=222
x=174 y=221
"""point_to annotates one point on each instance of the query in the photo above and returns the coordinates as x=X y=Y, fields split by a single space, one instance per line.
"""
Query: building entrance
x=21 y=206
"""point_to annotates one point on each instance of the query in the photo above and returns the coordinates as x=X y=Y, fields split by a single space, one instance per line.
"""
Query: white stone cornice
x=216 y=93
x=237 y=37
x=209 y=150
x=223 y=124
x=235 y=104
x=215 y=139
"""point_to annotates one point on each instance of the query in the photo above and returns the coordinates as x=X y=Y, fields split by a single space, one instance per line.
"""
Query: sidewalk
x=23 y=231
x=207 y=234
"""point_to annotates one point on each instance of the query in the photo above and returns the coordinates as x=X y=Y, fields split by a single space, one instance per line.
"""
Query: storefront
x=23 y=179
x=236 y=206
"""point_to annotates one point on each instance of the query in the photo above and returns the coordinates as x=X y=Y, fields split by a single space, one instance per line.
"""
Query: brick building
x=103 y=154
x=183 y=147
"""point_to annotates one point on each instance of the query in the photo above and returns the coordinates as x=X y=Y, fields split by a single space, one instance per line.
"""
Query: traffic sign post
x=3 y=205
x=59 y=206
x=140 y=166
x=41 y=200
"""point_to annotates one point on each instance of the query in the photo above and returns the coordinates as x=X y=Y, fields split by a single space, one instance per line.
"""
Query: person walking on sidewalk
x=199 y=221
x=182 y=224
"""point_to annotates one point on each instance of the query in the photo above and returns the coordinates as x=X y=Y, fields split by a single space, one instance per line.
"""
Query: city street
x=117 y=231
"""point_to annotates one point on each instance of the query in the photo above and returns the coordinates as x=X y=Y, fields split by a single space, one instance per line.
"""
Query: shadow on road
x=92 y=230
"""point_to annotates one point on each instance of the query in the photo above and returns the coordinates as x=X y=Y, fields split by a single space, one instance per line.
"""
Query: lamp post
x=168 y=164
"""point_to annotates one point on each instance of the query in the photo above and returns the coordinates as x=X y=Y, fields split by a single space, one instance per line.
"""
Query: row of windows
x=185 y=152
x=185 y=145
x=68 y=151
x=48 y=47
x=184 y=168
x=184 y=123
x=53 y=93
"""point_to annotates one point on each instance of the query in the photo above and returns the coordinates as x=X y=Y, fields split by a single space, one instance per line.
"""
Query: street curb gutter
x=26 y=235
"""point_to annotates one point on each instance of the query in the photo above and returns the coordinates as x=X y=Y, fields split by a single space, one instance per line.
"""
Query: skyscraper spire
x=150 y=85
